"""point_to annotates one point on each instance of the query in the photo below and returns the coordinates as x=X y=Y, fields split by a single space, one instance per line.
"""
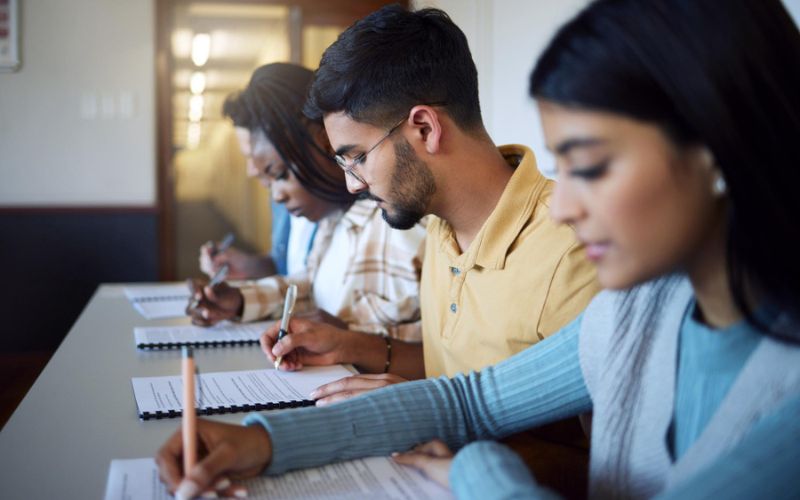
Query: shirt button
x=453 y=307
x=456 y=271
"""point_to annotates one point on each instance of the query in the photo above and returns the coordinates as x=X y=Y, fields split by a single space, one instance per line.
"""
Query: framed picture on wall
x=9 y=35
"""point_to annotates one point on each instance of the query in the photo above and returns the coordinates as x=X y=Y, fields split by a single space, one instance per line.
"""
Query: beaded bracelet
x=388 y=353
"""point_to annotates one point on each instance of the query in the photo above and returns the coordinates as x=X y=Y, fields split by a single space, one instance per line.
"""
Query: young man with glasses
x=398 y=93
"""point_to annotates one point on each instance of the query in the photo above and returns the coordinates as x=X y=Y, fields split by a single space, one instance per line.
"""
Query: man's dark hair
x=393 y=60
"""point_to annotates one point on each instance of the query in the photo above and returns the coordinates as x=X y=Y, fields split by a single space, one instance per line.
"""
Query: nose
x=565 y=206
x=279 y=194
x=252 y=171
x=354 y=184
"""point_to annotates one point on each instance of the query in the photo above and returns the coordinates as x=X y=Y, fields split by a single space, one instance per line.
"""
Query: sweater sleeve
x=762 y=465
x=485 y=469
x=539 y=385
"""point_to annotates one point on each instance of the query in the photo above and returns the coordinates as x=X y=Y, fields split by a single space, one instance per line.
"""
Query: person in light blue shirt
x=674 y=125
x=292 y=239
x=281 y=226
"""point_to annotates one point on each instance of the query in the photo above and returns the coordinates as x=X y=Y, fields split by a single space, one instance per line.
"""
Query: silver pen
x=288 y=307
x=224 y=244
x=218 y=278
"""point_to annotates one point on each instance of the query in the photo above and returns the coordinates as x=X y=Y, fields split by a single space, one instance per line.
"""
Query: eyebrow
x=579 y=142
x=342 y=150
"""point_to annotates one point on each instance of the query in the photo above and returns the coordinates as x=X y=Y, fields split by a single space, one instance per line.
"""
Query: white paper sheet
x=176 y=336
x=368 y=478
x=232 y=390
x=159 y=301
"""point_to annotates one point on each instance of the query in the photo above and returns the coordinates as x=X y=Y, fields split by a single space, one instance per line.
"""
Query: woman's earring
x=719 y=187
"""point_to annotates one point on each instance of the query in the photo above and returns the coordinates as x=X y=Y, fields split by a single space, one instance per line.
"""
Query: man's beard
x=411 y=187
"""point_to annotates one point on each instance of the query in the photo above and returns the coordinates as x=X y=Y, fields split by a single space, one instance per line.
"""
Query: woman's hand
x=210 y=305
x=241 y=265
x=433 y=459
x=350 y=387
x=225 y=452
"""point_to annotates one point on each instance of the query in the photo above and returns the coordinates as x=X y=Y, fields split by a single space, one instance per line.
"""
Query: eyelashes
x=589 y=173
x=281 y=176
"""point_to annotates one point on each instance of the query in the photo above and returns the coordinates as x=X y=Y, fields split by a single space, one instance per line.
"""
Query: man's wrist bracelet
x=388 y=353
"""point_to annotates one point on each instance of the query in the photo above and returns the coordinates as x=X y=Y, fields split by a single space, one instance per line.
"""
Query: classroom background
x=116 y=162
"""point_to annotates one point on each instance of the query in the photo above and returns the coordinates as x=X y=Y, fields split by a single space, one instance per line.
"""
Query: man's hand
x=308 y=343
x=211 y=305
x=225 y=452
x=433 y=459
x=349 y=387
x=322 y=316
x=241 y=265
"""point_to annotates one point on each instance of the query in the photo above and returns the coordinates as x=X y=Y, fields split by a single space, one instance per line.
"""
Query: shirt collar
x=513 y=210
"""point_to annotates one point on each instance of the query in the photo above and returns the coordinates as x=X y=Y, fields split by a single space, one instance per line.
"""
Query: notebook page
x=159 y=301
x=197 y=335
x=367 y=478
x=233 y=388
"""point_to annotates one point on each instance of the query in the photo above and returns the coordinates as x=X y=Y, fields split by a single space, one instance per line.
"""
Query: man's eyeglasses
x=360 y=158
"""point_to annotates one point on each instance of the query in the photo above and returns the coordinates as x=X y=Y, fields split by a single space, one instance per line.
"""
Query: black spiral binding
x=210 y=343
x=220 y=410
x=162 y=298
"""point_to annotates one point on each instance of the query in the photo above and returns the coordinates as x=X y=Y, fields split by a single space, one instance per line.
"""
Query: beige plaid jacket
x=381 y=277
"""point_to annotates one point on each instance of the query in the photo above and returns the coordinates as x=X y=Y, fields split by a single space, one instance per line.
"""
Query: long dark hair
x=272 y=103
x=724 y=74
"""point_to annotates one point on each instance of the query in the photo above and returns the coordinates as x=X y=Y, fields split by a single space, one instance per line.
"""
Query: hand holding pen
x=184 y=444
x=218 y=278
x=215 y=301
x=210 y=251
x=288 y=308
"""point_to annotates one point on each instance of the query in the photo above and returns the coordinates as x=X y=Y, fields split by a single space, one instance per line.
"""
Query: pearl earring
x=719 y=187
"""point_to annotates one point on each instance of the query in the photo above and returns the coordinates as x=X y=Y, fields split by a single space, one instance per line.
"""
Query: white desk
x=81 y=413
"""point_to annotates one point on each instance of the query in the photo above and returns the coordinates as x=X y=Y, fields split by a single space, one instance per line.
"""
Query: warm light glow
x=196 y=108
x=201 y=48
x=193 y=135
x=197 y=83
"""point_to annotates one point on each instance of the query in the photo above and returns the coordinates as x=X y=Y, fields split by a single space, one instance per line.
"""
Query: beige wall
x=506 y=37
x=315 y=40
x=77 y=121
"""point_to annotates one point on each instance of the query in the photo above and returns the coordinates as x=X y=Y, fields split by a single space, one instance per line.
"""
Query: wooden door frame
x=337 y=12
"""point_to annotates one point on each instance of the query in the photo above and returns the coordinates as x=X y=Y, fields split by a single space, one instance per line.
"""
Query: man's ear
x=321 y=137
x=427 y=127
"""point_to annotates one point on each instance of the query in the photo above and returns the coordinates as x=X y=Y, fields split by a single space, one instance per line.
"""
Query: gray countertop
x=81 y=413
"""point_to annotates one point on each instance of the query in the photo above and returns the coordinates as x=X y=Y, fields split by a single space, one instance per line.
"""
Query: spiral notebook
x=159 y=301
x=221 y=335
x=234 y=391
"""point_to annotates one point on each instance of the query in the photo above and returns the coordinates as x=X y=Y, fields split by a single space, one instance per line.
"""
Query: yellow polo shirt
x=522 y=278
